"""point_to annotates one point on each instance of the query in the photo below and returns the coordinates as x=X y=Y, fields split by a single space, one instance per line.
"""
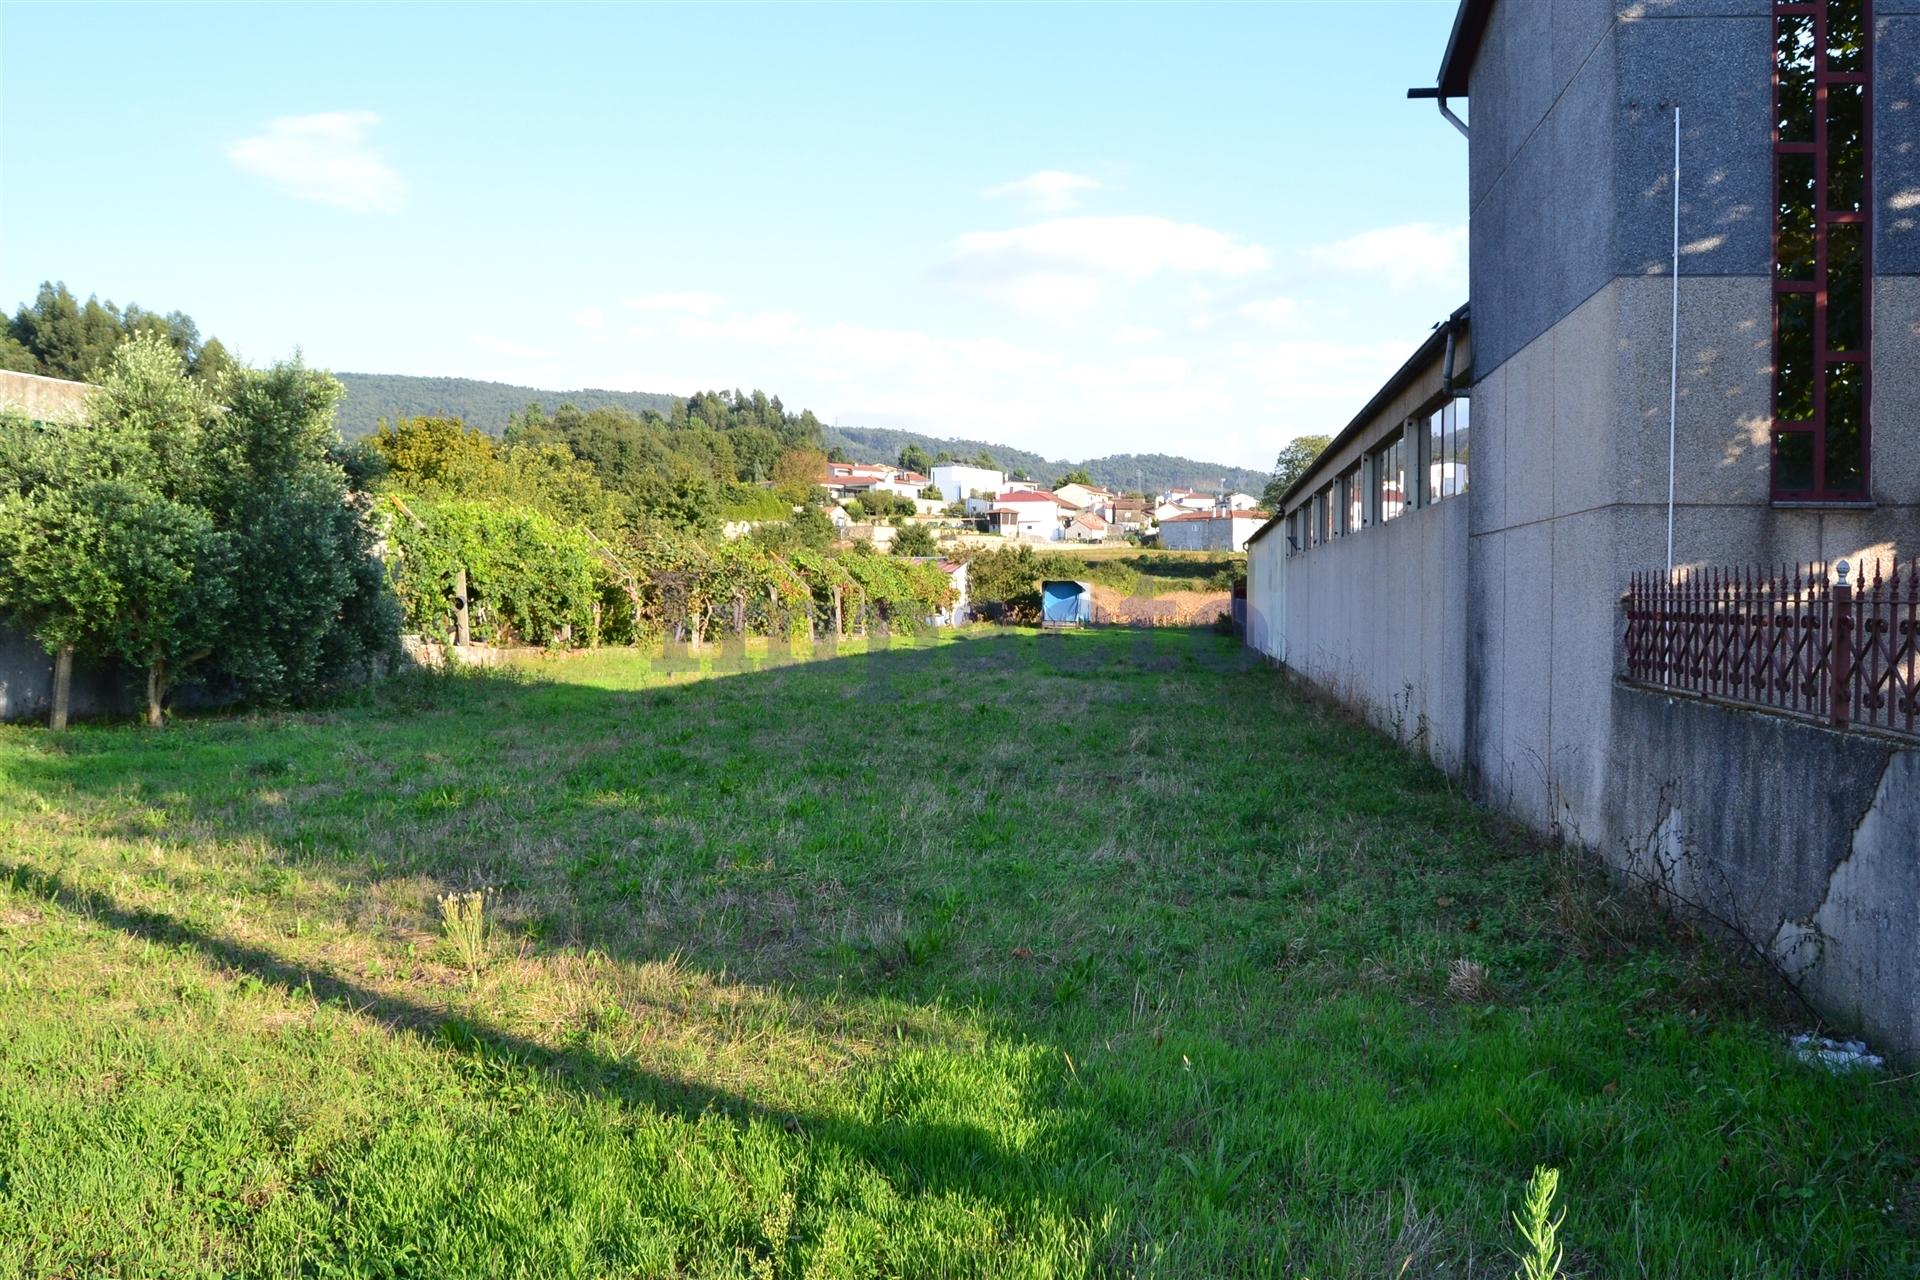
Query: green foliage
x=913 y=540
x=880 y=504
x=444 y=457
x=59 y=336
x=1076 y=476
x=914 y=457
x=797 y=473
x=1539 y=1227
x=178 y=526
x=488 y=406
x=746 y=502
x=115 y=569
x=1008 y=580
x=1294 y=459
x=527 y=574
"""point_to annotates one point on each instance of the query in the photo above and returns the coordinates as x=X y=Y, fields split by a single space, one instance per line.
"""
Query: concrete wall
x=1378 y=619
x=26 y=684
x=1820 y=864
x=44 y=399
x=1571 y=290
x=1572 y=295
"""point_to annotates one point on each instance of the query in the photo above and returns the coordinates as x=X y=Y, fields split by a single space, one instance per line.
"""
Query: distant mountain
x=1150 y=472
x=486 y=405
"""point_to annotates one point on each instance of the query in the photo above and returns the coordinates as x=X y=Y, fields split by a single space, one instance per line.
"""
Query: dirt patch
x=1174 y=609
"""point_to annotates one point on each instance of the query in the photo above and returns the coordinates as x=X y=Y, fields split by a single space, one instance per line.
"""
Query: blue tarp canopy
x=1066 y=602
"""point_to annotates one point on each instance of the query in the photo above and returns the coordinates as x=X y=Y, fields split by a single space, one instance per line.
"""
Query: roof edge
x=1422 y=356
x=1463 y=46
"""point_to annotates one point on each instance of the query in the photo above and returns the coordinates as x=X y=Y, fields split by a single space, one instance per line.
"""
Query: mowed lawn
x=1004 y=955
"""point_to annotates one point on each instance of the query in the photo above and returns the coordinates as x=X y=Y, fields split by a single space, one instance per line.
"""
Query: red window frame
x=1824 y=219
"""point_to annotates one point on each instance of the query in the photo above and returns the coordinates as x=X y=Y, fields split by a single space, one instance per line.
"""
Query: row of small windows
x=1430 y=455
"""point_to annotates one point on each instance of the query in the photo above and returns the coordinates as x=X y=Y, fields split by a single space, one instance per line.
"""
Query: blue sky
x=1076 y=229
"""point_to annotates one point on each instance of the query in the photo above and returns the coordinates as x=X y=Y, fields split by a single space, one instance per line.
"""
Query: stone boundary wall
x=1805 y=839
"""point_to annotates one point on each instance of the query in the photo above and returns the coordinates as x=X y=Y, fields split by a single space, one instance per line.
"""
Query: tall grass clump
x=463 y=927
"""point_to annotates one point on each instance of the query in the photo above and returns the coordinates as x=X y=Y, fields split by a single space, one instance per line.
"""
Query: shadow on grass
x=922 y=1157
x=681 y=756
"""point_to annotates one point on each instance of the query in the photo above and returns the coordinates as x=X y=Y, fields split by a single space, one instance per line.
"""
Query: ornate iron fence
x=1798 y=639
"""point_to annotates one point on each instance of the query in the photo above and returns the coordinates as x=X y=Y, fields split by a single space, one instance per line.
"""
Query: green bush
x=527 y=575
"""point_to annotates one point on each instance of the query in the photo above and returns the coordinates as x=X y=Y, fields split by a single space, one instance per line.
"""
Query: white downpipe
x=1673 y=341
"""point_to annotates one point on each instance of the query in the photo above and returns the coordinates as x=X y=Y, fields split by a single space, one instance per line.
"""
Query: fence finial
x=1841 y=569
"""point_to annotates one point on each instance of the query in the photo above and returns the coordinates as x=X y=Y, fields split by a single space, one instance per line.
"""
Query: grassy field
x=1007 y=955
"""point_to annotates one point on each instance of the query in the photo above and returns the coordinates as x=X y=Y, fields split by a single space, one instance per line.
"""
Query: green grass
x=1007 y=955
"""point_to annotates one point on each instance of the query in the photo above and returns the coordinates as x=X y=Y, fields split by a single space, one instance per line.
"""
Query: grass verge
x=1002 y=954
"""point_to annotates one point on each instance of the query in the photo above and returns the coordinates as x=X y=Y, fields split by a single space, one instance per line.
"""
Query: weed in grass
x=1467 y=981
x=463 y=929
x=1214 y=1176
x=1541 y=1253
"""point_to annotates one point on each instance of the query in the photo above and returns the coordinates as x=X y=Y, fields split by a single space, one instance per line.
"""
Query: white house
x=956 y=480
x=1241 y=502
x=1026 y=513
x=1082 y=496
x=1210 y=530
x=851 y=479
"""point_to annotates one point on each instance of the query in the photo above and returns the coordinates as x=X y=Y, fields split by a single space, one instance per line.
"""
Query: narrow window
x=1436 y=455
x=1446 y=436
x=1390 y=478
x=1822 y=132
x=1326 y=513
x=1356 y=494
x=1461 y=409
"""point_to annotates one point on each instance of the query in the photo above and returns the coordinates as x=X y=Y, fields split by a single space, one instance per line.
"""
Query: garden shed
x=1065 y=604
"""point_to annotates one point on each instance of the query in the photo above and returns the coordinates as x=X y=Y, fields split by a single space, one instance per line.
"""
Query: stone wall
x=1805 y=839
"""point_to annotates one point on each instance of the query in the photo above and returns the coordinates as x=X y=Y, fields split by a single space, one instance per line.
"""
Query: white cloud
x=1135 y=335
x=691 y=303
x=1064 y=267
x=1130 y=247
x=589 y=317
x=1414 y=253
x=1049 y=190
x=325 y=158
x=1271 y=312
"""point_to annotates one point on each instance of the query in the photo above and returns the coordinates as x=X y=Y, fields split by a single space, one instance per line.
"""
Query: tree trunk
x=156 y=690
x=62 y=688
x=462 y=632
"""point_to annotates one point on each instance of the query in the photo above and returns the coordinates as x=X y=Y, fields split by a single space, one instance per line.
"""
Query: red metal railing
x=1798 y=639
